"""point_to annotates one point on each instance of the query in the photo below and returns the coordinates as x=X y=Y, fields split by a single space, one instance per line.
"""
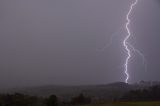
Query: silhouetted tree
x=52 y=101
x=81 y=99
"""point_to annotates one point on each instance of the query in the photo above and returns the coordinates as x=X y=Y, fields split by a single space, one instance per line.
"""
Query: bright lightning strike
x=125 y=43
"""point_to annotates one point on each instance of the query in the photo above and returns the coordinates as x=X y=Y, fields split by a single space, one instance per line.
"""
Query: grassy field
x=129 y=104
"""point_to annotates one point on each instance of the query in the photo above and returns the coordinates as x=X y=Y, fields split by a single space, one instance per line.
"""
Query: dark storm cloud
x=157 y=1
x=60 y=41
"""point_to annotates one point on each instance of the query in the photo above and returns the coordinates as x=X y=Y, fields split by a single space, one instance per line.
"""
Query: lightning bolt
x=125 y=41
x=128 y=47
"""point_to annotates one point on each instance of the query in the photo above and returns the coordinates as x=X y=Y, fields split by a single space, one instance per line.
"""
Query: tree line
x=148 y=94
x=18 y=99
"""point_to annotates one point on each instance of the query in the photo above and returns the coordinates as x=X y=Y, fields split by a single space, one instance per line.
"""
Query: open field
x=129 y=104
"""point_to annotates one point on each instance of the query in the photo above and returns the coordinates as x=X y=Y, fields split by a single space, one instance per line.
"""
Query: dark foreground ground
x=128 y=104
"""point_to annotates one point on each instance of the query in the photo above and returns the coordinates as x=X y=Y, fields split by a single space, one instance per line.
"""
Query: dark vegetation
x=147 y=93
x=18 y=99
x=81 y=99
